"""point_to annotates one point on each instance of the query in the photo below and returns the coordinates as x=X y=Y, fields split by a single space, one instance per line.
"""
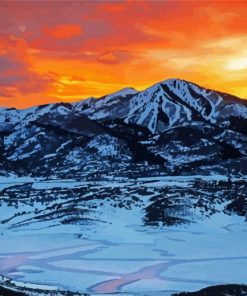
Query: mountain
x=173 y=127
x=134 y=192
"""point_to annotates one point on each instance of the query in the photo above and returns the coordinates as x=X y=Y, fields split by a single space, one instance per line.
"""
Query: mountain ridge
x=174 y=126
x=234 y=97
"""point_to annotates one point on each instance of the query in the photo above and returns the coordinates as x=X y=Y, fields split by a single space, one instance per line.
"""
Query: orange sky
x=67 y=51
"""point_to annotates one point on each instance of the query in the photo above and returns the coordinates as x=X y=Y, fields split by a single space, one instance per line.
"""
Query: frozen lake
x=132 y=236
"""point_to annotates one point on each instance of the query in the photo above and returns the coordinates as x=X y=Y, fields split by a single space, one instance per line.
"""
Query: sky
x=54 y=51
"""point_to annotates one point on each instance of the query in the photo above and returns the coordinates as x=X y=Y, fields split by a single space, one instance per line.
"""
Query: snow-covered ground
x=113 y=248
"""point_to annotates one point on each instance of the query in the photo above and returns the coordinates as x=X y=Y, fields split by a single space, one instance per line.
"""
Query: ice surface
x=114 y=250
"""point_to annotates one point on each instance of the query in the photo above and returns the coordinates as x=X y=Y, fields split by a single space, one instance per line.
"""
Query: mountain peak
x=121 y=93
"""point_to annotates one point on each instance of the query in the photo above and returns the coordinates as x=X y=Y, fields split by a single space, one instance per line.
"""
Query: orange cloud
x=63 y=31
x=107 y=58
x=18 y=79
x=113 y=7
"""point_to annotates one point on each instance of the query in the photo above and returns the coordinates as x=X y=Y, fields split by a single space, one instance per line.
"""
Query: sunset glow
x=67 y=51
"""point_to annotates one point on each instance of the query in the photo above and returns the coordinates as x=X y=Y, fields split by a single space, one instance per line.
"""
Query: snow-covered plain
x=101 y=237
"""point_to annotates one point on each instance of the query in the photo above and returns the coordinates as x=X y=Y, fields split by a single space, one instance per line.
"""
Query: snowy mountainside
x=174 y=126
x=110 y=106
x=169 y=103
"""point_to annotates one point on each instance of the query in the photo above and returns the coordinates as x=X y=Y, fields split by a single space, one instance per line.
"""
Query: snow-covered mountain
x=167 y=104
x=172 y=127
